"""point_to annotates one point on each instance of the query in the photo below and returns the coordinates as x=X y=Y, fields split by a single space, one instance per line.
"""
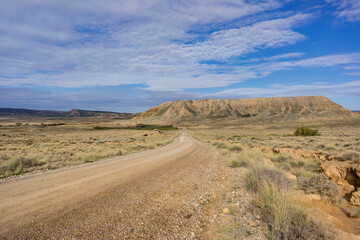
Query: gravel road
x=165 y=193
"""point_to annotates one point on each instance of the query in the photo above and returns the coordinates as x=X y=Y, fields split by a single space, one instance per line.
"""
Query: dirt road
x=165 y=193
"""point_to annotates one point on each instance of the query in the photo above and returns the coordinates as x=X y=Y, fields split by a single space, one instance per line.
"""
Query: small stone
x=253 y=223
x=188 y=216
x=226 y=210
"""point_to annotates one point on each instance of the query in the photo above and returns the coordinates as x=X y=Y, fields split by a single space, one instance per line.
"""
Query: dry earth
x=166 y=193
x=235 y=111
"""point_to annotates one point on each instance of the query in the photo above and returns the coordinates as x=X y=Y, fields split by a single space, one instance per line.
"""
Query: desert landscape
x=278 y=168
x=180 y=120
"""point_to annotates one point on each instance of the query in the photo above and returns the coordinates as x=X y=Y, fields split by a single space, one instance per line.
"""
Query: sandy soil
x=152 y=194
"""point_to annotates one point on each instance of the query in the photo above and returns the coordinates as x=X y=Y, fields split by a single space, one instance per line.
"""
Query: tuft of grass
x=235 y=164
x=285 y=218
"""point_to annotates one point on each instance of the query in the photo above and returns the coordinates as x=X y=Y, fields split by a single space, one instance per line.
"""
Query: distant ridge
x=74 y=113
x=260 y=108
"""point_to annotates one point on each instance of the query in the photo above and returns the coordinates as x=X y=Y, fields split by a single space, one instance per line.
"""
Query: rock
x=226 y=210
x=253 y=223
x=311 y=197
x=355 y=198
x=290 y=176
x=188 y=216
x=346 y=175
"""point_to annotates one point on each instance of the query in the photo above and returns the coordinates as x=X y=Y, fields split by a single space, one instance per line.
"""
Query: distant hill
x=251 y=108
x=75 y=113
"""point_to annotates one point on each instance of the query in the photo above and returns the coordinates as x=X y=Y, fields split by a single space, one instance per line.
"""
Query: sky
x=129 y=56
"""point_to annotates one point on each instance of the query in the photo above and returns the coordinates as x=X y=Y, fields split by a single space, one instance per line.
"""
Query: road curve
x=137 y=196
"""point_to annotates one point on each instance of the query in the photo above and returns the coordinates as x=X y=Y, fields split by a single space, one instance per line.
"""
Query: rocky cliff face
x=289 y=107
x=347 y=176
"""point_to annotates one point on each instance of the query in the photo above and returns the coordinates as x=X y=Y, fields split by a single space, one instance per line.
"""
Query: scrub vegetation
x=34 y=146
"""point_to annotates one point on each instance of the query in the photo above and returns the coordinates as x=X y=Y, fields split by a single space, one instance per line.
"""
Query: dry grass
x=286 y=219
x=35 y=146
x=337 y=138
x=266 y=178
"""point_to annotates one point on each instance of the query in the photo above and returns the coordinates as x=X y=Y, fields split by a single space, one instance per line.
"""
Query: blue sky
x=128 y=56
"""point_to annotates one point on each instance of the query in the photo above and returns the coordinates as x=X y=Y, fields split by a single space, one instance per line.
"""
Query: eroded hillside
x=259 y=108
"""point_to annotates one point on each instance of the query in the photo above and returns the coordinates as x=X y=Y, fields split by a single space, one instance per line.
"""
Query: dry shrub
x=258 y=176
x=322 y=185
x=349 y=156
x=280 y=158
x=285 y=218
x=235 y=164
x=236 y=149
x=350 y=210
x=219 y=144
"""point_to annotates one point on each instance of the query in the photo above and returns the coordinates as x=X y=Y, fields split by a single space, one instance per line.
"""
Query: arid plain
x=206 y=169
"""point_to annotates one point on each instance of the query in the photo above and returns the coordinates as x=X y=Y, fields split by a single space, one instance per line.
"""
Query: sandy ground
x=153 y=194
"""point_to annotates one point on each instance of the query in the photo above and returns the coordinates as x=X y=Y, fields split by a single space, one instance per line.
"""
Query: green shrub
x=305 y=131
x=235 y=164
x=322 y=185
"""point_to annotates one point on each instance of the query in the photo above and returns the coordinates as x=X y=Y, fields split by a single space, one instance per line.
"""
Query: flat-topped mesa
x=74 y=113
x=290 y=107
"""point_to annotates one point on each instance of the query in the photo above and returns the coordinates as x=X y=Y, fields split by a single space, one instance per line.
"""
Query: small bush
x=349 y=156
x=236 y=149
x=235 y=164
x=258 y=176
x=322 y=185
x=305 y=131
x=350 y=211
x=4 y=157
x=321 y=146
x=219 y=144
x=281 y=158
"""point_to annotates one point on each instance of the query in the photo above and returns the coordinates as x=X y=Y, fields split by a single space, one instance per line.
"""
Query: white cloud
x=353 y=73
x=351 y=88
x=323 y=61
x=278 y=57
x=77 y=44
x=347 y=10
